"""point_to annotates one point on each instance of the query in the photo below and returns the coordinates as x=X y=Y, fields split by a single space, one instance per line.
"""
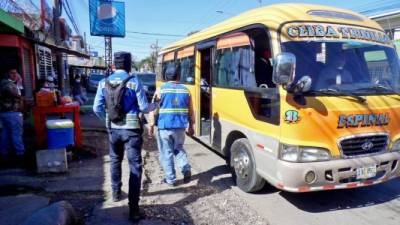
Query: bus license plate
x=366 y=172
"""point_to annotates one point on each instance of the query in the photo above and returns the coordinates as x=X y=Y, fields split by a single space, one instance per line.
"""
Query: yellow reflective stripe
x=131 y=121
x=129 y=85
x=182 y=110
x=174 y=91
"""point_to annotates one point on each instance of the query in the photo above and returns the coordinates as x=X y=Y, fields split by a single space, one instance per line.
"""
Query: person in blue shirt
x=174 y=117
x=125 y=136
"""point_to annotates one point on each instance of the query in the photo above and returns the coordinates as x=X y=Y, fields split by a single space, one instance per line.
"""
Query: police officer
x=127 y=135
x=175 y=115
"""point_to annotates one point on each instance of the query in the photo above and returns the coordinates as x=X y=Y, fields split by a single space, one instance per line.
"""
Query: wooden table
x=40 y=113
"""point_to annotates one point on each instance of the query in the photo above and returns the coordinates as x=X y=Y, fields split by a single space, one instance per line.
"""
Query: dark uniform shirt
x=10 y=99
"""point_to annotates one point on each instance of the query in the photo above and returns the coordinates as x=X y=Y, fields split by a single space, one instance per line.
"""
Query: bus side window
x=264 y=100
x=187 y=70
x=263 y=57
x=234 y=68
x=168 y=60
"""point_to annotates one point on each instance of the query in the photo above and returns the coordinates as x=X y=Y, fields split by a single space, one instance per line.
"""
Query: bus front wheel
x=243 y=166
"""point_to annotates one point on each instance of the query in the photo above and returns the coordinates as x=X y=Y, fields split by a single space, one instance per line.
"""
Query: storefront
x=17 y=52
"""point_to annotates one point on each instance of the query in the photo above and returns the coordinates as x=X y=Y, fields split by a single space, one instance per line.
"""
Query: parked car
x=148 y=81
x=94 y=80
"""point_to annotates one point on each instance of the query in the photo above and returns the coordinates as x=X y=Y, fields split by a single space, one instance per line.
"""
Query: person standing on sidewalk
x=174 y=116
x=125 y=131
x=11 y=116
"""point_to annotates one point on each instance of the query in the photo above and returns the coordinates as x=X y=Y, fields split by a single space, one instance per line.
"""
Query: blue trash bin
x=60 y=133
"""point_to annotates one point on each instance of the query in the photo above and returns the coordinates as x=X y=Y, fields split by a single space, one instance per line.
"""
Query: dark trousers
x=129 y=141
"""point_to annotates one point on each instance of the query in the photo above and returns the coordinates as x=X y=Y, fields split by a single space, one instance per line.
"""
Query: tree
x=148 y=63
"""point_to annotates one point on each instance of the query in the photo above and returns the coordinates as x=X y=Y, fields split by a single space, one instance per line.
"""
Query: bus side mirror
x=284 y=69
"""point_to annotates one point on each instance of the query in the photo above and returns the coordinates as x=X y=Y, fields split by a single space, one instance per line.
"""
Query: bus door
x=205 y=90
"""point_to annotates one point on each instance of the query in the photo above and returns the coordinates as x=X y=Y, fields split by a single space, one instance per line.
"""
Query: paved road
x=371 y=205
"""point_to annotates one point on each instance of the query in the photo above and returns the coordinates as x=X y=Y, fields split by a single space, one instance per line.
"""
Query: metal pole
x=59 y=55
x=108 y=53
x=84 y=37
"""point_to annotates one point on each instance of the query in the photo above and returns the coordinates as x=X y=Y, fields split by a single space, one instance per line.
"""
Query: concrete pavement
x=364 y=206
x=15 y=209
x=211 y=198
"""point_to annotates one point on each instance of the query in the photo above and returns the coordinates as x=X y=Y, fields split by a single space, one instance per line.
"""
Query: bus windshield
x=350 y=67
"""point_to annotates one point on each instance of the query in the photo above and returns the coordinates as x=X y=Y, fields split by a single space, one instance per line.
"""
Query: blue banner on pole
x=107 y=18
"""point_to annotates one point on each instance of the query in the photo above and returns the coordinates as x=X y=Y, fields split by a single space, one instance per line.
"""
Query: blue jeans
x=12 y=123
x=129 y=141
x=81 y=99
x=170 y=144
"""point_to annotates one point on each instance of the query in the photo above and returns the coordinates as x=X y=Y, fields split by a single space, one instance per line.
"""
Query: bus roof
x=273 y=17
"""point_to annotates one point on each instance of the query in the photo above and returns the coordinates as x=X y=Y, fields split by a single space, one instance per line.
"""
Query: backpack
x=115 y=100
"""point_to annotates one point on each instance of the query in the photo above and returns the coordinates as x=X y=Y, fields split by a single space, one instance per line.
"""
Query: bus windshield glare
x=347 y=66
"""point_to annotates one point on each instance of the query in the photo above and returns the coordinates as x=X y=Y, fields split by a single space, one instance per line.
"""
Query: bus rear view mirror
x=284 y=69
x=302 y=85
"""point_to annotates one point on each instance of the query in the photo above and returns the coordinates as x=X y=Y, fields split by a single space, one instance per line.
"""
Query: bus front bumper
x=337 y=173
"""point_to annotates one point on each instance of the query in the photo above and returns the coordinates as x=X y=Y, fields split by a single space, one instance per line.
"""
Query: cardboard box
x=52 y=161
x=46 y=98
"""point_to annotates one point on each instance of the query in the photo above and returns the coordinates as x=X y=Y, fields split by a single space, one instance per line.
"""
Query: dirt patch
x=202 y=201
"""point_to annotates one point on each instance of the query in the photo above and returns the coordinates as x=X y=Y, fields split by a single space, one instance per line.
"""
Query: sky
x=179 y=17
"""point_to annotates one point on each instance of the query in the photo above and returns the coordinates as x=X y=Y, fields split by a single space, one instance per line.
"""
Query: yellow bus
x=304 y=97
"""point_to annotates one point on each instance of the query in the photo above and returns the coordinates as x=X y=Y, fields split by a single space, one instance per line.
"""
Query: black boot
x=187 y=177
x=134 y=214
x=116 y=195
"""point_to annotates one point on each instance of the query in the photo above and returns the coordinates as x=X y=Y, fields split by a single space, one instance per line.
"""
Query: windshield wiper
x=335 y=92
x=379 y=87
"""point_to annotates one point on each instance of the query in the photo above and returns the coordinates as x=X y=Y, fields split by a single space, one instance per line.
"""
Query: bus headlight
x=308 y=154
x=289 y=153
x=396 y=146
x=293 y=153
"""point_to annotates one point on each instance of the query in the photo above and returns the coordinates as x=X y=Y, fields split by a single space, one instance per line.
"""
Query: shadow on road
x=316 y=202
x=207 y=183
x=203 y=178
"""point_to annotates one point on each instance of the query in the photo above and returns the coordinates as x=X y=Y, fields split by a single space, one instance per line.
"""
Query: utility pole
x=154 y=55
x=84 y=39
x=59 y=55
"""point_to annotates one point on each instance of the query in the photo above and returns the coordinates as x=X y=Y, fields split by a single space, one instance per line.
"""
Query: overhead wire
x=210 y=16
x=205 y=16
x=155 y=34
x=74 y=13
x=67 y=10
x=120 y=49
x=215 y=15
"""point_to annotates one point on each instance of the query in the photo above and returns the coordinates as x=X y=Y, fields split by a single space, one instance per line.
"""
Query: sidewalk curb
x=59 y=213
x=94 y=129
x=103 y=130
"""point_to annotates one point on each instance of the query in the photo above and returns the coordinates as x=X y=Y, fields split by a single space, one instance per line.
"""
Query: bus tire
x=243 y=166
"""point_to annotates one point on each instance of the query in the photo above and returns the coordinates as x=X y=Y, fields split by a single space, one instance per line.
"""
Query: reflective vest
x=174 y=106
x=131 y=106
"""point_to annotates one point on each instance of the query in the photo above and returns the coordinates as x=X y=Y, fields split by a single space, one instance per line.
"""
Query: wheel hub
x=241 y=163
